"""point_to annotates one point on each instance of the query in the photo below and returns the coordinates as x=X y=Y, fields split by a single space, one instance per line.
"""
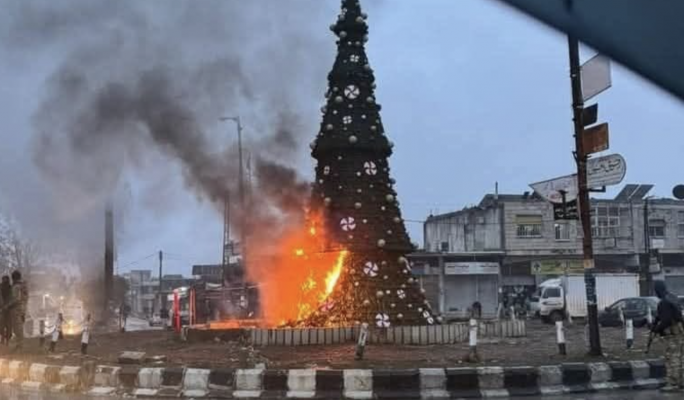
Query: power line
x=138 y=260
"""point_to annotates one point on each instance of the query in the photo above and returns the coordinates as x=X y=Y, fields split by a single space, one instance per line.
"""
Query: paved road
x=612 y=396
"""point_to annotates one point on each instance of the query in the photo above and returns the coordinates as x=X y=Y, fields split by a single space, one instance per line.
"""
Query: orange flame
x=299 y=278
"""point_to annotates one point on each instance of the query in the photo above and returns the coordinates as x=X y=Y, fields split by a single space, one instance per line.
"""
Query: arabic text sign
x=606 y=171
x=557 y=267
x=471 y=268
x=602 y=171
x=595 y=139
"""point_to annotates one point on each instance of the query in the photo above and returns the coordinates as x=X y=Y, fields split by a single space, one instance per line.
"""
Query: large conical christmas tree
x=354 y=194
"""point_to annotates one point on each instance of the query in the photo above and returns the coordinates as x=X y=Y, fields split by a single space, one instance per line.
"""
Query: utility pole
x=109 y=256
x=161 y=296
x=226 y=238
x=581 y=158
x=646 y=266
x=241 y=188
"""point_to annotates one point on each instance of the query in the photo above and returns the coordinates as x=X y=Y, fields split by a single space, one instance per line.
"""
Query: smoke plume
x=139 y=88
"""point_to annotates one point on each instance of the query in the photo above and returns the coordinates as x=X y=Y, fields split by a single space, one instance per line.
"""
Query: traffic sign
x=601 y=171
x=590 y=115
x=595 y=76
x=606 y=171
x=595 y=139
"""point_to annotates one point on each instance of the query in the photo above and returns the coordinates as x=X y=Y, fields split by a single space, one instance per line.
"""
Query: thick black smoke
x=131 y=83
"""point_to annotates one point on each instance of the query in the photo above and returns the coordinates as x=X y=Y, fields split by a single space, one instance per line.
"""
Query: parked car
x=634 y=308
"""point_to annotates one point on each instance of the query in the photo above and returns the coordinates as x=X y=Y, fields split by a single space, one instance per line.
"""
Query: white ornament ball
x=384 y=263
x=339 y=99
x=366 y=302
x=365 y=221
x=403 y=286
x=312 y=145
x=343 y=34
x=327 y=201
x=389 y=198
x=388 y=291
x=367 y=67
x=410 y=280
x=422 y=291
x=385 y=277
x=400 y=316
x=329 y=127
x=370 y=99
x=381 y=243
x=440 y=319
x=389 y=232
x=397 y=220
x=420 y=309
x=357 y=205
x=353 y=139
x=410 y=306
x=356 y=283
x=332 y=27
x=374 y=128
x=402 y=260
x=359 y=190
x=379 y=294
x=359 y=19
x=393 y=305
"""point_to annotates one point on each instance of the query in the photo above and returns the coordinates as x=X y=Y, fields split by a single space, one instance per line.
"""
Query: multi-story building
x=510 y=243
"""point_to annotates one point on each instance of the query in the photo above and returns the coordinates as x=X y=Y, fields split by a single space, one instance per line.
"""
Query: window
x=680 y=225
x=444 y=247
x=551 y=292
x=528 y=225
x=656 y=228
x=562 y=230
x=605 y=221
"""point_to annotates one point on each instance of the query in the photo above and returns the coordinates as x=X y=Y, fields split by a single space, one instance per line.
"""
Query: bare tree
x=15 y=252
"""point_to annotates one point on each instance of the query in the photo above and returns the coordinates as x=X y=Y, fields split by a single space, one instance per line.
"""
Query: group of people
x=13 y=305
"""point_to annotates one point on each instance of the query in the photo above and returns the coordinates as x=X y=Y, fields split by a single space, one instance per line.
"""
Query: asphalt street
x=634 y=395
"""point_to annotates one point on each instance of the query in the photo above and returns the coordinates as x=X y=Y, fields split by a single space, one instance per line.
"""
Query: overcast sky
x=473 y=93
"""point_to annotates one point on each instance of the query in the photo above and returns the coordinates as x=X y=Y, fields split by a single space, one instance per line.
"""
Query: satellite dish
x=678 y=192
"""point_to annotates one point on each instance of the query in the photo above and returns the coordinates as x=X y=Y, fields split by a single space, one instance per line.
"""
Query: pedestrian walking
x=17 y=307
x=56 y=332
x=669 y=325
x=5 y=317
x=85 y=336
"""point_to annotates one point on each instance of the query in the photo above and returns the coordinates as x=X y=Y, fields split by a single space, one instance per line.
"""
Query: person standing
x=5 y=315
x=669 y=324
x=18 y=307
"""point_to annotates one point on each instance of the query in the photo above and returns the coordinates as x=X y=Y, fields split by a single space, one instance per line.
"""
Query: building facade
x=522 y=244
x=143 y=290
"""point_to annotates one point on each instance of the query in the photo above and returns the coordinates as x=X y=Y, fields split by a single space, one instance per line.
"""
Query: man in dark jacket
x=669 y=324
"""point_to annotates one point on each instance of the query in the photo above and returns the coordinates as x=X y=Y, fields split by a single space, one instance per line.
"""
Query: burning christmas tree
x=354 y=198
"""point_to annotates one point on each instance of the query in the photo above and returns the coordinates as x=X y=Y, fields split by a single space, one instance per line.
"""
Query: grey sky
x=472 y=93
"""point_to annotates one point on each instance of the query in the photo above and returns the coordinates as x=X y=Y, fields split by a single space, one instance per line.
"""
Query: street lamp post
x=241 y=186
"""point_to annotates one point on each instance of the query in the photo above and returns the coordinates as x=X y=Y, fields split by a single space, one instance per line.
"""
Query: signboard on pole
x=601 y=171
x=606 y=171
x=566 y=211
x=595 y=139
x=595 y=76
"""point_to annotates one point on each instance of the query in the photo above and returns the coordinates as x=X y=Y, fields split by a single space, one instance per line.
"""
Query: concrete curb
x=426 y=383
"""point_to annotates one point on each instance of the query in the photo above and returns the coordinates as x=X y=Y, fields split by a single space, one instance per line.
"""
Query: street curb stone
x=426 y=383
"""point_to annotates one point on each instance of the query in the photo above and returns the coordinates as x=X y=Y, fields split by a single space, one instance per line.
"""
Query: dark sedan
x=634 y=308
